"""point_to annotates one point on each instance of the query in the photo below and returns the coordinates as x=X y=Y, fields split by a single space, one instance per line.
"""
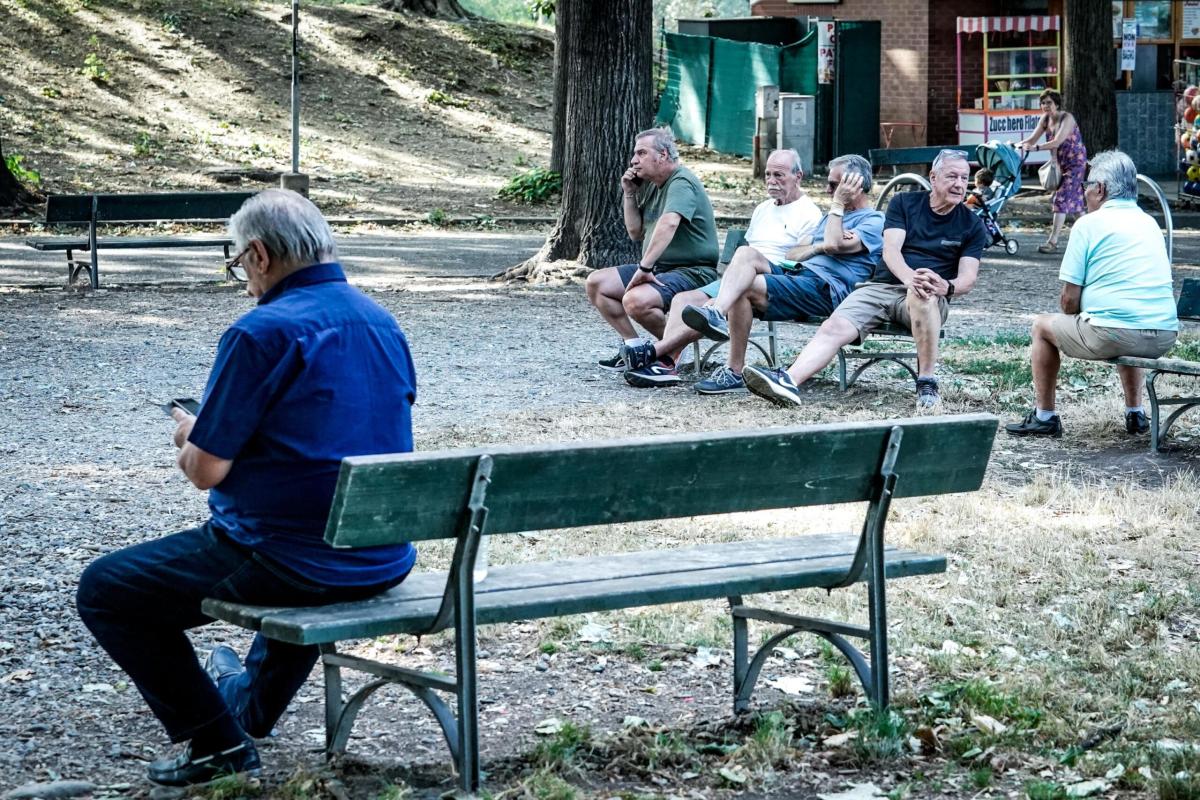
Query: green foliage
x=533 y=187
x=231 y=787
x=882 y=735
x=23 y=174
x=395 y=791
x=438 y=217
x=144 y=144
x=540 y=9
x=95 y=68
x=563 y=748
x=51 y=92
x=440 y=98
x=981 y=778
x=171 y=22
x=1045 y=790
x=545 y=785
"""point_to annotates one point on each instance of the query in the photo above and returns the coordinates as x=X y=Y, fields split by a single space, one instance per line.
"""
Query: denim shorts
x=680 y=279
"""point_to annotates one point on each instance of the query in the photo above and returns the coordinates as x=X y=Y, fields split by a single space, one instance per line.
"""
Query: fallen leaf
x=705 y=657
x=857 y=791
x=634 y=722
x=548 y=727
x=1086 y=788
x=594 y=632
x=988 y=725
x=839 y=739
x=792 y=684
x=733 y=775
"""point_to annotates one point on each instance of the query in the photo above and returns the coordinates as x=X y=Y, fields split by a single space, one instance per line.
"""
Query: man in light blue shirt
x=1116 y=297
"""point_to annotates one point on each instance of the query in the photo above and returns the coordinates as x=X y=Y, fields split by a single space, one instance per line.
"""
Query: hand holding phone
x=186 y=404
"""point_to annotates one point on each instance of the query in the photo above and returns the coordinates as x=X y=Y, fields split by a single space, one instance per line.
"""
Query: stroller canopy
x=1004 y=162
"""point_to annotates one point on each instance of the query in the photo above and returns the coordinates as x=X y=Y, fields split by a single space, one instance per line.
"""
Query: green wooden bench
x=895 y=335
x=1186 y=307
x=94 y=210
x=469 y=494
x=896 y=157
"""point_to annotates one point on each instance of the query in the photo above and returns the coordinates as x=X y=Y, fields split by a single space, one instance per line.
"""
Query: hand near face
x=630 y=181
x=849 y=189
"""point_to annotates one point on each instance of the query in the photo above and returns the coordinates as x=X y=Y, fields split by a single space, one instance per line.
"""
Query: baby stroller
x=1005 y=164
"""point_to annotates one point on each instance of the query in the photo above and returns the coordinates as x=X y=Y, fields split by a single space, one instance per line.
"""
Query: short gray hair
x=664 y=141
x=858 y=165
x=949 y=154
x=288 y=225
x=797 y=165
x=1117 y=172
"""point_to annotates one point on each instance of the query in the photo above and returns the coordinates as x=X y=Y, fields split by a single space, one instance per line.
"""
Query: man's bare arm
x=1068 y=301
x=202 y=468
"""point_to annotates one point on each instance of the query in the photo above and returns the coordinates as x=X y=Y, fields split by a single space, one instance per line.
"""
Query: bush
x=23 y=174
x=535 y=186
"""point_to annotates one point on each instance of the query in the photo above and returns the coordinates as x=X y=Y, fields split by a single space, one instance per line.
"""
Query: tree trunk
x=451 y=9
x=558 y=128
x=13 y=195
x=1089 y=93
x=607 y=55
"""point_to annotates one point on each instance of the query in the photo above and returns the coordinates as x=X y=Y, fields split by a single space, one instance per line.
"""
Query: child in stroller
x=998 y=179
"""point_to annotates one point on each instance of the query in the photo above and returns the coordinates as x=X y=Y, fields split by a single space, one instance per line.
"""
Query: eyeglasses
x=1090 y=184
x=832 y=185
x=234 y=267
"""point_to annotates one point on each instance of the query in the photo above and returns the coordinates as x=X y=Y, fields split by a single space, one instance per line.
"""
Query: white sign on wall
x=1128 y=44
x=1011 y=127
x=826 y=50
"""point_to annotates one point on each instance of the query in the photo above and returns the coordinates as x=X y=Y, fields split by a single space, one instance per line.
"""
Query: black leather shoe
x=221 y=663
x=1136 y=422
x=1032 y=426
x=186 y=770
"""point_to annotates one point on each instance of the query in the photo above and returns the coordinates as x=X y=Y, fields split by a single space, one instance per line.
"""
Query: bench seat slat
x=572 y=586
x=1176 y=365
x=127 y=242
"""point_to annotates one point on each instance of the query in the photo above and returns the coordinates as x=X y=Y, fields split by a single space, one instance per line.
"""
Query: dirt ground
x=88 y=467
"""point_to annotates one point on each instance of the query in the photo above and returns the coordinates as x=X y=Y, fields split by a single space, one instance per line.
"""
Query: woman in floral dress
x=1062 y=137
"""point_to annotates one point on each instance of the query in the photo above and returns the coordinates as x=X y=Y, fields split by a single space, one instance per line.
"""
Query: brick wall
x=1145 y=131
x=943 y=68
x=904 y=65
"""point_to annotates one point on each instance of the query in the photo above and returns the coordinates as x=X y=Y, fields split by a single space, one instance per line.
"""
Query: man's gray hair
x=288 y=225
x=664 y=141
x=858 y=165
x=1117 y=172
x=947 y=155
x=797 y=165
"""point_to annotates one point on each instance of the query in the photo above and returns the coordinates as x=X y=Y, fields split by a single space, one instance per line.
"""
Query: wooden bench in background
x=465 y=495
x=1187 y=307
x=896 y=157
x=94 y=210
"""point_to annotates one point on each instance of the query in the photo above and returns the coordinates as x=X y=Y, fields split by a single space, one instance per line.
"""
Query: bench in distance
x=94 y=210
x=468 y=494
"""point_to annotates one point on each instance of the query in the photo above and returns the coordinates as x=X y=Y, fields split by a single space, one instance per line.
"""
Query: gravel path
x=86 y=464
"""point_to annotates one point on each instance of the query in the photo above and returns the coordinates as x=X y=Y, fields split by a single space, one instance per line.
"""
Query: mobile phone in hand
x=188 y=404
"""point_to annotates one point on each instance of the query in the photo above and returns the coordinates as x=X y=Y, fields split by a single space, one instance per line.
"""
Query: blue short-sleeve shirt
x=316 y=372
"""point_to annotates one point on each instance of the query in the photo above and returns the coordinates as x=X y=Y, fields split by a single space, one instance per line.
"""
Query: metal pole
x=295 y=86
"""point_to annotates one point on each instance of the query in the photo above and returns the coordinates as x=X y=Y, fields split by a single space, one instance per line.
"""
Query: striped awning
x=1006 y=24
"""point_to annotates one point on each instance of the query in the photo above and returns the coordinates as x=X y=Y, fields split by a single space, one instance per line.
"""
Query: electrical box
x=797 y=126
x=766 y=102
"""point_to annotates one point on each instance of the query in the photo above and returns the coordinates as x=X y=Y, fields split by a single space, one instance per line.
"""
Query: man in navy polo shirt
x=316 y=372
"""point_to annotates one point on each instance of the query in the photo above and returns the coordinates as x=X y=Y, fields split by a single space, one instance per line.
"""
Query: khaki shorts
x=1078 y=338
x=872 y=304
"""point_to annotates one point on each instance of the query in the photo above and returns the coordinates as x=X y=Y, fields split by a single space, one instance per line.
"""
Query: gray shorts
x=1079 y=338
x=872 y=304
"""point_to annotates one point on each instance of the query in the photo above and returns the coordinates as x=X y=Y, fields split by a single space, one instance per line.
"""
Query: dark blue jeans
x=139 y=601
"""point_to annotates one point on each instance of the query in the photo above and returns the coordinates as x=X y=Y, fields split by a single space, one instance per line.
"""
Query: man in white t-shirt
x=780 y=229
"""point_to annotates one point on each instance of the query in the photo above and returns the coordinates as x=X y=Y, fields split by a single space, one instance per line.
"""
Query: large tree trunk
x=13 y=195
x=430 y=8
x=607 y=54
x=558 y=128
x=1089 y=93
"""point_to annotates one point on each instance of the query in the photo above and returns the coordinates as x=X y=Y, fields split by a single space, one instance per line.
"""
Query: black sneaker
x=653 y=376
x=1136 y=422
x=640 y=355
x=772 y=384
x=708 y=321
x=1032 y=426
x=614 y=364
x=927 y=393
x=184 y=770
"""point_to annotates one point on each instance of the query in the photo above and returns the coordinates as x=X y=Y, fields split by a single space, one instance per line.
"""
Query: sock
x=220 y=734
x=1045 y=416
x=670 y=362
x=633 y=342
x=1129 y=410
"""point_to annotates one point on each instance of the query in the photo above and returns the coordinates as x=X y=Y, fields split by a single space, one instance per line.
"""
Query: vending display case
x=1014 y=59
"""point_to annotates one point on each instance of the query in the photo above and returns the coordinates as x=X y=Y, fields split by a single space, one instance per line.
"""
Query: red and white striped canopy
x=1006 y=24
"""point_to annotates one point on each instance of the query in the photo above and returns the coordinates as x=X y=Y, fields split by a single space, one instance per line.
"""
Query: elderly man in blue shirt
x=1116 y=297
x=315 y=372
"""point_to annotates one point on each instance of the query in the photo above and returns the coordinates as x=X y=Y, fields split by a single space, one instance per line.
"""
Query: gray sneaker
x=722 y=381
x=927 y=393
x=774 y=385
x=708 y=321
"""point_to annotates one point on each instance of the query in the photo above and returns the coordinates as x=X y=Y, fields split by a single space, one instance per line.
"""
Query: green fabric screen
x=684 y=104
x=737 y=69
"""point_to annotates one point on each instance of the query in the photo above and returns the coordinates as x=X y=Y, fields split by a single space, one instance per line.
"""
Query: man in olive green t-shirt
x=667 y=210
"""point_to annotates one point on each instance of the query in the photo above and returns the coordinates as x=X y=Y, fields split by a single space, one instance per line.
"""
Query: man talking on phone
x=665 y=208
x=315 y=372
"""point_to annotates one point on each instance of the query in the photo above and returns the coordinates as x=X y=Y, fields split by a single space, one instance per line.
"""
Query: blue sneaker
x=708 y=321
x=722 y=381
x=658 y=374
x=638 y=356
x=774 y=385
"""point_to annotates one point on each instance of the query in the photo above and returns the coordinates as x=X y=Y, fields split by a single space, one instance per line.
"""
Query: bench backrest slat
x=419 y=496
x=1188 y=306
x=893 y=156
x=77 y=208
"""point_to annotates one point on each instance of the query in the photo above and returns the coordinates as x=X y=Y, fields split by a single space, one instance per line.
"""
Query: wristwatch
x=949 y=289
